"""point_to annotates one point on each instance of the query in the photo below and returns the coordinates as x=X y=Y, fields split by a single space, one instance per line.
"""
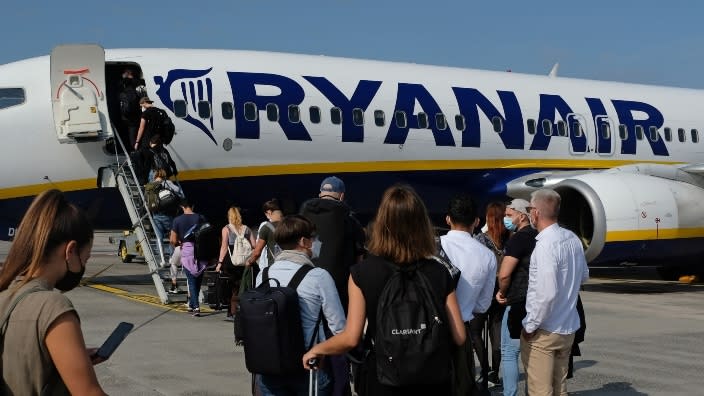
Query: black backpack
x=270 y=326
x=163 y=126
x=206 y=240
x=129 y=104
x=160 y=160
x=160 y=197
x=412 y=340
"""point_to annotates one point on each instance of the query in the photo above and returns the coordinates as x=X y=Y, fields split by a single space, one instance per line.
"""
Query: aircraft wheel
x=123 y=253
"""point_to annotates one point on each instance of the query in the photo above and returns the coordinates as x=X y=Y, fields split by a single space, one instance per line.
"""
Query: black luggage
x=219 y=290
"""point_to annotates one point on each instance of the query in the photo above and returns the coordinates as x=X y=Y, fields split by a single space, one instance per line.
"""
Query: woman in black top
x=402 y=235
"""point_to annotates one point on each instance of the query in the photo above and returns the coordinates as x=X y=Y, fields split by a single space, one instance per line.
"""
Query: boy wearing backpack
x=317 y=300
x=181 y=231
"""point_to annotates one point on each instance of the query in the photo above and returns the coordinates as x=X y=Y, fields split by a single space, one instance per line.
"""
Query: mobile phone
x=114 y=340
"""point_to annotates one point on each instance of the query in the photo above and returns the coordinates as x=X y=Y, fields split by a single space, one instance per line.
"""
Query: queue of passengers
x=397 y=308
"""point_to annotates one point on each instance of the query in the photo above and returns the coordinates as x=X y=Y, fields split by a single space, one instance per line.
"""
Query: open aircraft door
x=78 y=93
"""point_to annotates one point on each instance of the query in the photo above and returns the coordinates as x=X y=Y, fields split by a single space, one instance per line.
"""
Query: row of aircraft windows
x=251 y=113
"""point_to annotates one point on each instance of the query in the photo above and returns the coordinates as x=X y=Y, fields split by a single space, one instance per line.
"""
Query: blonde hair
x=50 y=221
x=234 y=217
x=402 y=231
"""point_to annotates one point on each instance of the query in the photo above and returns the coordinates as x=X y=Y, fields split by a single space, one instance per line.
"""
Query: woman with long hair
x=402 y=239
x=233 y=271
x=495 y=239
x=43 y=347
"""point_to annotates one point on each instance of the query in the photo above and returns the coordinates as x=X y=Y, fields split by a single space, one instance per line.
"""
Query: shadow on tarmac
x=612 y=388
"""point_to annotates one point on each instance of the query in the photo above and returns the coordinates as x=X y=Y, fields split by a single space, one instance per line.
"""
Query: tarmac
x=644 y=335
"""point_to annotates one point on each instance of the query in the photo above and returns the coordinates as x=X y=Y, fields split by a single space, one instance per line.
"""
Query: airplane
x=250 y=126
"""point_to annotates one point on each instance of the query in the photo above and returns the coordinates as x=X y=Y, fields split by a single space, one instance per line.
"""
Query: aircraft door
x=78 y=93
x=604 y=135
x=580 y=142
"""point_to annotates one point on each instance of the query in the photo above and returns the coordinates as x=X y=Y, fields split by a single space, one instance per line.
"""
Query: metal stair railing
x=136 y=203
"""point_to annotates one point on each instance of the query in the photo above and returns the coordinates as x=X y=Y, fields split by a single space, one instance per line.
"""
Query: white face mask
x=315 y=248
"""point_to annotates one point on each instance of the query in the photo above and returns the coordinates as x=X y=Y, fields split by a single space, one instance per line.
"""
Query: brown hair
x=160 y=173
x=272 y=205
x=495 y=213
x=234 y=217
x=50 y=221
x=402 y=231
x=291 y=229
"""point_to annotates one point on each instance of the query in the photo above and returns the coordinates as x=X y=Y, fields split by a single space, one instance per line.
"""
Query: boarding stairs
x=154 y=251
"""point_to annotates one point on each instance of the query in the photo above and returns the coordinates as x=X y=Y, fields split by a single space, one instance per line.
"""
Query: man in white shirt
x=477 y=264
x=557 y=270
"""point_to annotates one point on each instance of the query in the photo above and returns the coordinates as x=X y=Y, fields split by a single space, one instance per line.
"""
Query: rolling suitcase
x=313 y=378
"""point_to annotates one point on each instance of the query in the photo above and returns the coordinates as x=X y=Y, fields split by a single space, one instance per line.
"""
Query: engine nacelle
x=633 y=217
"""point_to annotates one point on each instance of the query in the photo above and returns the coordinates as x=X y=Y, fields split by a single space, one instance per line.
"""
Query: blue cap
x=332 y=184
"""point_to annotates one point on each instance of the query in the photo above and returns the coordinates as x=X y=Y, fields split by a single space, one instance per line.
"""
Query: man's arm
x=140 y=132
x=487 y=290
x=542 y=288
x=508 y=264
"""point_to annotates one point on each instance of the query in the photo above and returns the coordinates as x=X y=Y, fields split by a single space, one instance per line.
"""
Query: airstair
x=121 y=174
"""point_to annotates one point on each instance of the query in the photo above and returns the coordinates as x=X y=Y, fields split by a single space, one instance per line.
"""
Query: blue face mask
x=508 y=223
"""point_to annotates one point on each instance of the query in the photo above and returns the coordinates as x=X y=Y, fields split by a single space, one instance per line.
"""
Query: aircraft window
x=639 y=132
x=605 y=131
x=498 y=124
x=459 y=122
x=668 y=134
x=695 y=136
x=180 y=108
x=531 y=124
x=294 y=114
x=401 y=121
x=228 y=111
x=336 y=115
x=272 y=112
x=204 y=109
x=423 y=120
x=441 y=121
x=547 y=127
x=653 y=133
x=577 y=130
x=11 y=97
x=250 y=111
x=681 y=135
x=379 y=118
x=623 y=132
x=358 y=117
x=315 y=114
x=561 y=128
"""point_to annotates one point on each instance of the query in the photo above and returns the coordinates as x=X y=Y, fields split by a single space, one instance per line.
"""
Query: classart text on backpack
x=412 y=340
x=160 y=197
x=270 y=326
x=163 y=126
x=205 y=238
x=241 y=249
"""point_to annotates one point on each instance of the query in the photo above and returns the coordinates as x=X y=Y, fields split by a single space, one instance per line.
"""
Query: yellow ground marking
x=143 y=298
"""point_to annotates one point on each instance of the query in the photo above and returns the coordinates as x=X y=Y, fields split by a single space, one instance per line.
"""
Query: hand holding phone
x=114 y=340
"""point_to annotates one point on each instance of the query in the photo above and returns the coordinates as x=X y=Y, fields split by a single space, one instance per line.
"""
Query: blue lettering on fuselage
x=361 y=98
x=196 y=85
x=406 y=98
x=470 y=101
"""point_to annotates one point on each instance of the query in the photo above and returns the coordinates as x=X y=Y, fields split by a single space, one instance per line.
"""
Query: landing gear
x=123 y=252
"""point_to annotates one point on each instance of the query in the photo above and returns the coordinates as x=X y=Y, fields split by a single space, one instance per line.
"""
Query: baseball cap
x=519 y=205
x=332 y=184
x=145 y=100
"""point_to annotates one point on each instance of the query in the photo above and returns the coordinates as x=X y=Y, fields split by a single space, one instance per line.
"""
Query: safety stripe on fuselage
x=654 y=234
x=343 y=167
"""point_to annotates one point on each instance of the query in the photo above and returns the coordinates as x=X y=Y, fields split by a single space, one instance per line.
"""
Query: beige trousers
x=545 y=358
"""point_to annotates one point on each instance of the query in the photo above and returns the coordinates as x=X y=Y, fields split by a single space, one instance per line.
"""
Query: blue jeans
x=194 y=283
x=295 y=385
x=510 y=348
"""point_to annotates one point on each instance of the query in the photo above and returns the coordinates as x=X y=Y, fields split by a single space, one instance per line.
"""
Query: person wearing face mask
x=513 y=286
x=499 y=228
x=342 y=238
x=316 y=294
x=43 y=348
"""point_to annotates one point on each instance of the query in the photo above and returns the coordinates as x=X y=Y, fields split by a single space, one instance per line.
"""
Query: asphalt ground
x=644 y=336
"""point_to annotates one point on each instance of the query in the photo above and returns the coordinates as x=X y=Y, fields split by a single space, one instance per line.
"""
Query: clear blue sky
x=652 y=42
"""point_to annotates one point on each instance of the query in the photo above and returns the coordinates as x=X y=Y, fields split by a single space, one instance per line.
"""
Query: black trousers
x=476 y=327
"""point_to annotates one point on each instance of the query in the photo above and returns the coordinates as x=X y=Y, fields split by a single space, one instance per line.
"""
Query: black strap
x=299 y=275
